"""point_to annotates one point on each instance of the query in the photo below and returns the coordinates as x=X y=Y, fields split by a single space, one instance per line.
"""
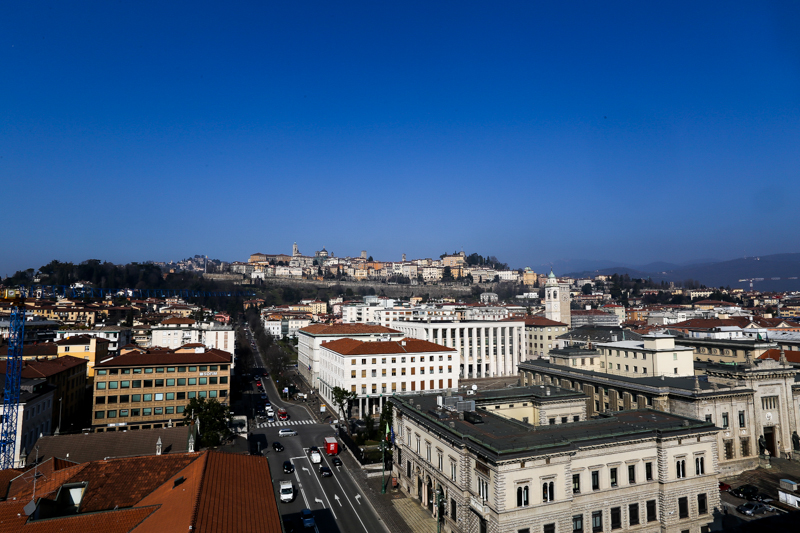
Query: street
x=337 y=502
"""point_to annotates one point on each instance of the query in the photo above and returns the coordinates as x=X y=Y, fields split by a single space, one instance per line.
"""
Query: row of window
x=161 y=369
x=431 y=358
x=168 y=382
x=725 y=420
x=158 y=397
x=613 y=477
x=146 y=411
x=383 y=388
x=596 y=523
x=431 y=370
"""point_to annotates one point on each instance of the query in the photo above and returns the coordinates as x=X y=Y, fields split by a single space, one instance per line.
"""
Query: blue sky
x=535 y=132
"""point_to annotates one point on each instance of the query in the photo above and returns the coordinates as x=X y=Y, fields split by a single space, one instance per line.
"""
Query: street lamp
x=439 y=509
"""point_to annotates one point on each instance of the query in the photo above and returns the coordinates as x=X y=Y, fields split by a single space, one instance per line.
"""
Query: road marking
x=317 y=500
x=348 y=500
x=329 y=501
x=358 y=498
x=307 y=470
x=336 y=497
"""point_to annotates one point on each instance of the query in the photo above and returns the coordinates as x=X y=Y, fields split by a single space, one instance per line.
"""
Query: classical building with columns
x=486 y=347
x=478 y=471
x=755 y=404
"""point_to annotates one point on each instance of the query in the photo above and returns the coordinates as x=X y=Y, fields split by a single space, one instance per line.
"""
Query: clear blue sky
x=535 y=132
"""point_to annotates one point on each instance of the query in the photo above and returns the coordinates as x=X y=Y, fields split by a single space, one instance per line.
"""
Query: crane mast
x=8 y=428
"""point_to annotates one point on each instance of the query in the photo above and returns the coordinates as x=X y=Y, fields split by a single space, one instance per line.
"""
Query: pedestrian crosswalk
x=261 y=425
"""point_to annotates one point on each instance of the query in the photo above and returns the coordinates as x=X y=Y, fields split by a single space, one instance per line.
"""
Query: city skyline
x=623 y=133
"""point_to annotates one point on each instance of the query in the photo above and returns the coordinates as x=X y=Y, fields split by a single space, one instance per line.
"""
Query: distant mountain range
x=708 y=272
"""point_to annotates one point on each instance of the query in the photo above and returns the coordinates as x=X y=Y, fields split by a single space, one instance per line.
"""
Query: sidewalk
x=398 y=512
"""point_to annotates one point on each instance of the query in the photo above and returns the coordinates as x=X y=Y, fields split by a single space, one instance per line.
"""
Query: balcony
x=476 y=504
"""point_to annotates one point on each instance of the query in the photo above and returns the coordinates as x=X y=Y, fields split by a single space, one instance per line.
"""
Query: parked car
x=286 y=432
x=270 y=418
x=724 y=487
x=752 y=508
x=263 y=396
x=747 y=492
x=277 y=446
x=763 y=498
x=288 y=467
x=324 y=471
x=307 y=517
x=336 y=461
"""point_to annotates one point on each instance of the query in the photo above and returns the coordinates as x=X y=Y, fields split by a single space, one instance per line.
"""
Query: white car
x=316 y=457
x=286 y=432
x=287 y=492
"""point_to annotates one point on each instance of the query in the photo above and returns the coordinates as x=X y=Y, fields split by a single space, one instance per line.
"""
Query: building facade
x=486 y=348
x=541 y=336
x=639 y=470
x=150 y=390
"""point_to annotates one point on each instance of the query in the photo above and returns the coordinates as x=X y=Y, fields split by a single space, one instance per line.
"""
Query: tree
x=385 y=420
x=370 y=259
x=343 y=399
x=587 y=289
x=213 y=418
x=447 y=274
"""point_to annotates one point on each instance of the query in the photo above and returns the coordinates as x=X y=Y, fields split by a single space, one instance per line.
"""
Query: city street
x=337 y=502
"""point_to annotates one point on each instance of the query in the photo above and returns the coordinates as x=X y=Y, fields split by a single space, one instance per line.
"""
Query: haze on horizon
x=623 y=132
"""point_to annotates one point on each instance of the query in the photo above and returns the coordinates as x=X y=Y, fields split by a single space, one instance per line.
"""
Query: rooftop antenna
x=30 y=507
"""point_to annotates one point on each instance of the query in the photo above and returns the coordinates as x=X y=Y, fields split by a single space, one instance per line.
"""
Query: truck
x=287 y=492
x=331 y=446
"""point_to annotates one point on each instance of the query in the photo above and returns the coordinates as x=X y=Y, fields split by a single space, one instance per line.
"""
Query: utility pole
x=59 y=414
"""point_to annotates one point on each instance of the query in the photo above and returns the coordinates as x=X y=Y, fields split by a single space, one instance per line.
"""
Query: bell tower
x=552 y=298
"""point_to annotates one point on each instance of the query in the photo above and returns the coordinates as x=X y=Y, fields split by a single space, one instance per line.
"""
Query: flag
x=387 y=432
x=392 y=435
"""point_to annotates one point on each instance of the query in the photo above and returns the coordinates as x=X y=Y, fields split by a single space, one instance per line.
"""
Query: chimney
x=158 y=446
x=191 y=444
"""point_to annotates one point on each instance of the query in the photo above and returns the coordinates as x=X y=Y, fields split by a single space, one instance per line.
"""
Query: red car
x=724 y=487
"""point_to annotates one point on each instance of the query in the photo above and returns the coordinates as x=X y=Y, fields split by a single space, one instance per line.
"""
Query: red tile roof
x=177 y=320
x=31 y=368
x=81 y=339
x=47 y=349
x=345 y=329
x=356 y=347
x=793 y=356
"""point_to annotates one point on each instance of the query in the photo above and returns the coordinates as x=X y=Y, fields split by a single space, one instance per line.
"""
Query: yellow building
x=92 y=349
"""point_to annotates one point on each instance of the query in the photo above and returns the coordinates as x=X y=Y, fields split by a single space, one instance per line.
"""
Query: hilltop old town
x=449 y=393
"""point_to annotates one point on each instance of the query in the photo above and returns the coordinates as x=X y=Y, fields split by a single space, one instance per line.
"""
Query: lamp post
x=58 y=429
x=383 y=466
x=439 y=509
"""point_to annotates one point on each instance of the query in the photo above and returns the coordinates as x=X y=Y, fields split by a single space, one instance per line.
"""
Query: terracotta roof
x=345 y=329
x=31 y=368
x=211 y=356
x=793 y=356
x=81 y=339
x=47 y=349
x=177 y=320
x=5 y=480
x=356 y=347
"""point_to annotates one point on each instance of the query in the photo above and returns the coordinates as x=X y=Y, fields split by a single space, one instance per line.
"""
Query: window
x=576 y=483
x=577 y=523
x=453 y=508
x=483 y=489
x=631 y=474
x=563 y=419
x=741 y=419
x=552 y=421
x=699 y=466
x=597 y=521
x=648 y=471
x=724 y=420
x=595 y=480
x=633 y=514
x=99 y=415
x=651 y=510
x=680 y=466
x=613 y=476
x=769 y=402
x=745 y=447
x=708 y=418
x=728 y=449
x=616 y=518
x=453 y=470
x=683 y=507
x=124 y=384
x=549 y=528
x=522 y=496
x=101 y=385
x=548 y=492
x=113 y=384
x=702 y=504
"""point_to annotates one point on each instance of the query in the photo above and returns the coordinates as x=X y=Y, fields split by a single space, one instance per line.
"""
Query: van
x=286 y=432
x=316 y=457
x=287 y=492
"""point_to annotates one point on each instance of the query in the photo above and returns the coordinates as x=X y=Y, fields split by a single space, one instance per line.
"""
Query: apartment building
x=310 y=339
x=486 y=348
x=541 y=336
x=143 y=390
x=376 y=370
x=117 y=336
x=175 y=332
x=635 y=470
x=34 y=414
x=92 y=349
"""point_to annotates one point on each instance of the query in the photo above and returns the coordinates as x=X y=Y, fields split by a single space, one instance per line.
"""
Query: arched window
x=548 y=492
x=681 y=468
x=699 y=466
x=522 y=496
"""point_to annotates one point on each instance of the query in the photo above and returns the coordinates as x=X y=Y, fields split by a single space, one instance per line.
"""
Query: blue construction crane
x=8 y=429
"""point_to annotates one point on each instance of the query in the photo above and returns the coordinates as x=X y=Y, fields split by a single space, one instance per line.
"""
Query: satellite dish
x=29 y=508
x=474 y=387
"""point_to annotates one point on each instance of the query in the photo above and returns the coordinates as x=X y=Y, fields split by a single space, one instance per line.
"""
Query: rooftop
x=499 y=438
x=167 y=357
x=347 y=329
